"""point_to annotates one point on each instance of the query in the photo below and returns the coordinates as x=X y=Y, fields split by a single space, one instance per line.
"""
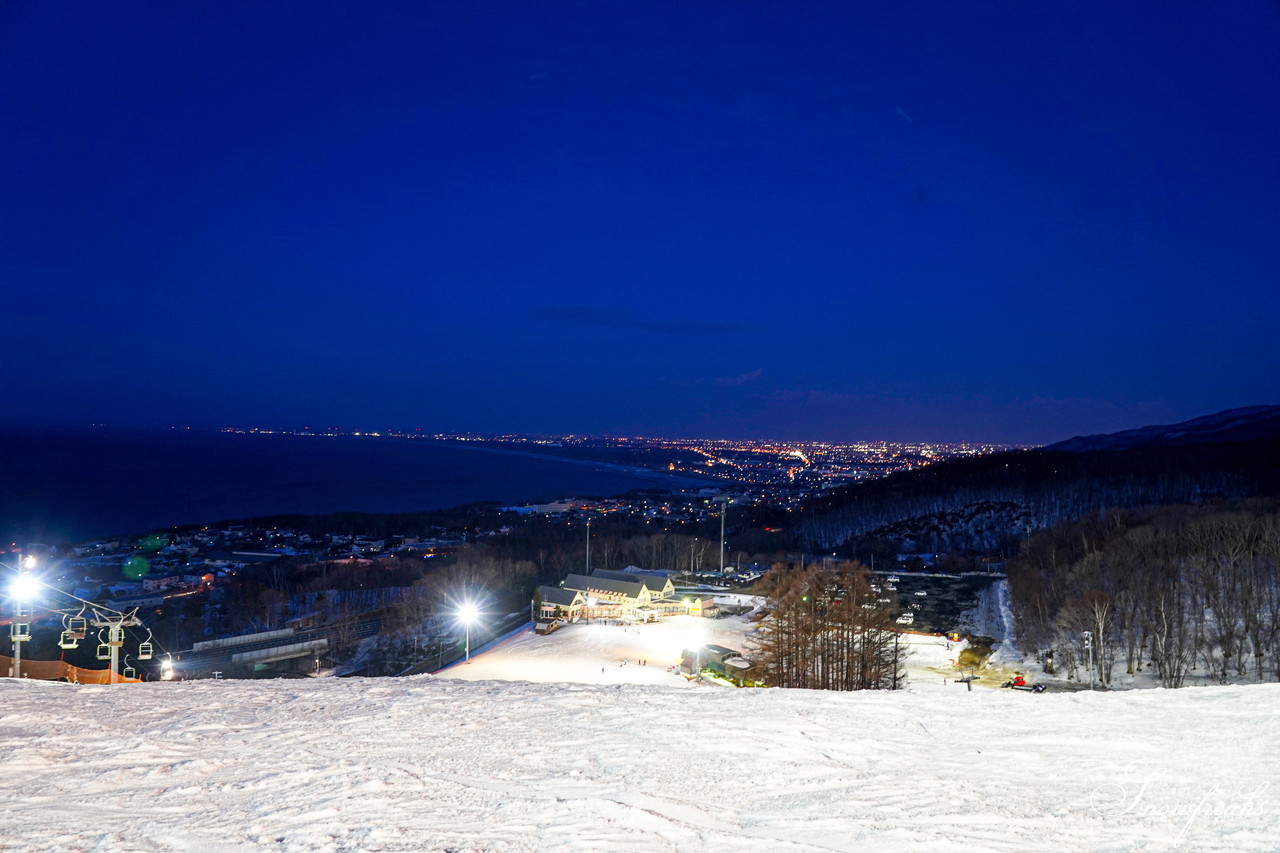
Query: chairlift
x=77 y=626
x=19 y=631
x=128 y=671
x=146 y=649
x=69 y=640
x=104 y=651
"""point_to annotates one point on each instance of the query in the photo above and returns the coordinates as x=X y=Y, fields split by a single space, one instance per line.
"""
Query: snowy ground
x=602 y=653
x=425 y=763
x=634 y=758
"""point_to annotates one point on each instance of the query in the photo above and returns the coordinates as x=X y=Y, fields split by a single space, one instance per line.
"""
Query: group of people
x=623 y=662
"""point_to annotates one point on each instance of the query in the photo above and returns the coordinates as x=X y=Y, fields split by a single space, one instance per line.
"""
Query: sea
x=76 y=485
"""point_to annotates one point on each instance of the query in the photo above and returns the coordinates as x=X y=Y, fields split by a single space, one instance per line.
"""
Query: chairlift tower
x=115 y=638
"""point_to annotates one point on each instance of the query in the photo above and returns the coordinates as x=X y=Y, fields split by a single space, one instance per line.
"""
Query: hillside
x=1245 y=424
x=987 y=503
x=425 y=764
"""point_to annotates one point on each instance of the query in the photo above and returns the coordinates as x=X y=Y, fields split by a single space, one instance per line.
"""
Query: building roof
x=558 y=596
x=656 y=583
x=631 y=589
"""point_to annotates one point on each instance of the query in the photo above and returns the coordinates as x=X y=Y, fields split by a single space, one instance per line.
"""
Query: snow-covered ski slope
x=427 y=763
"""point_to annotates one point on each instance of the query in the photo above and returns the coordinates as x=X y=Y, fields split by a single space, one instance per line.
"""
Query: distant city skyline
x=993 y=222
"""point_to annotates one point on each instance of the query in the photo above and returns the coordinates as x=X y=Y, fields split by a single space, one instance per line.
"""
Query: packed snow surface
x=642 y=762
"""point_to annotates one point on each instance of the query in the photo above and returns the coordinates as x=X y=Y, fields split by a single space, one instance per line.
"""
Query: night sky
x=986 y=221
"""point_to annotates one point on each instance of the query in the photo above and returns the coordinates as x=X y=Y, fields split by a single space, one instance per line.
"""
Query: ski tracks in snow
x=428 y=764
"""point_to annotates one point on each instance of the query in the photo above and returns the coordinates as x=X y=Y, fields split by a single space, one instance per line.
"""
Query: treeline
x=991 y=502
x=827 y=631
x=1177 y=589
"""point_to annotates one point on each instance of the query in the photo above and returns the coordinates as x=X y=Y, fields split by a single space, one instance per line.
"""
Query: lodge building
x=627 y=595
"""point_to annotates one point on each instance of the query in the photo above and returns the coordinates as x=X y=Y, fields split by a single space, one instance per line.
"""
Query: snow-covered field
x=426 y=764
x=603 y=653
x=631 y=759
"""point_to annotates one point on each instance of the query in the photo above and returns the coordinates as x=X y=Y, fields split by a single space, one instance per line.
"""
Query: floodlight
x=24 y=587
x=467 y=613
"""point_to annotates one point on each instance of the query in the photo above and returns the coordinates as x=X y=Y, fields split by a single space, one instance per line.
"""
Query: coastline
x=76 y=485
x=600 y=465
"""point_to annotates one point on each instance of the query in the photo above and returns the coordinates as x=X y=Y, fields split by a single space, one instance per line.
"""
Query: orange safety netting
x=57 y=670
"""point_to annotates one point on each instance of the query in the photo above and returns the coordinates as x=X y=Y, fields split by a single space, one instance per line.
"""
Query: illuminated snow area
x=632 y=759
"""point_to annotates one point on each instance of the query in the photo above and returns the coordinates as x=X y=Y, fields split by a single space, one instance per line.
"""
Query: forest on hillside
x=988 y=504
x=1174 y=589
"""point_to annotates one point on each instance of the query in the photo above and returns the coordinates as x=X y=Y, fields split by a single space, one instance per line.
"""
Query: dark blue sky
x=1011 y=221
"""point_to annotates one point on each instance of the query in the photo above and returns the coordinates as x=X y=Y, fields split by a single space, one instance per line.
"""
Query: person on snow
x=1019 y=681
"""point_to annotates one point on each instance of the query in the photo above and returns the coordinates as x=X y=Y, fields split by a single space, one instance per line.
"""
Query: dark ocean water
x=71 y=486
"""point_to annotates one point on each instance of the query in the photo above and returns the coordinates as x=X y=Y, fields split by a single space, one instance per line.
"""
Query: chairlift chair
x=77 y=627
x=115 y=636
x=146 y=649
x=104 y=651
x=19 y=631
x=69 y=640
x=129 y=672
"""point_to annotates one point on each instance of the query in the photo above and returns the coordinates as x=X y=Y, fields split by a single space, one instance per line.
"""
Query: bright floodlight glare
x=24 y=587
x=467 y=613
x=29 y=562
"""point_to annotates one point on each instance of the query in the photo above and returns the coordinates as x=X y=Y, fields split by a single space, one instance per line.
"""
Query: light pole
x=724 y=500
x=467 y=615
x=588 y=547
x=22 y=590
x=1088 y=646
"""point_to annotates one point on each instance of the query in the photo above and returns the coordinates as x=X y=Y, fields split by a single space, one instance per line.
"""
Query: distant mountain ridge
x=1248 y=423
x=990 y=503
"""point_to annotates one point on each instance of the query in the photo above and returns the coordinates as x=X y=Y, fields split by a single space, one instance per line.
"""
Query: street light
x=466 y=615
x=23 y=588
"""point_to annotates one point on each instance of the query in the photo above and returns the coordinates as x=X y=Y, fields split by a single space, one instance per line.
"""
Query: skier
x=1019 y=681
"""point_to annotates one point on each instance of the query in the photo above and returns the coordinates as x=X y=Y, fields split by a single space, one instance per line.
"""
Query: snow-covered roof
x=556 y=595
x=655 y=583
x=631 y=589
